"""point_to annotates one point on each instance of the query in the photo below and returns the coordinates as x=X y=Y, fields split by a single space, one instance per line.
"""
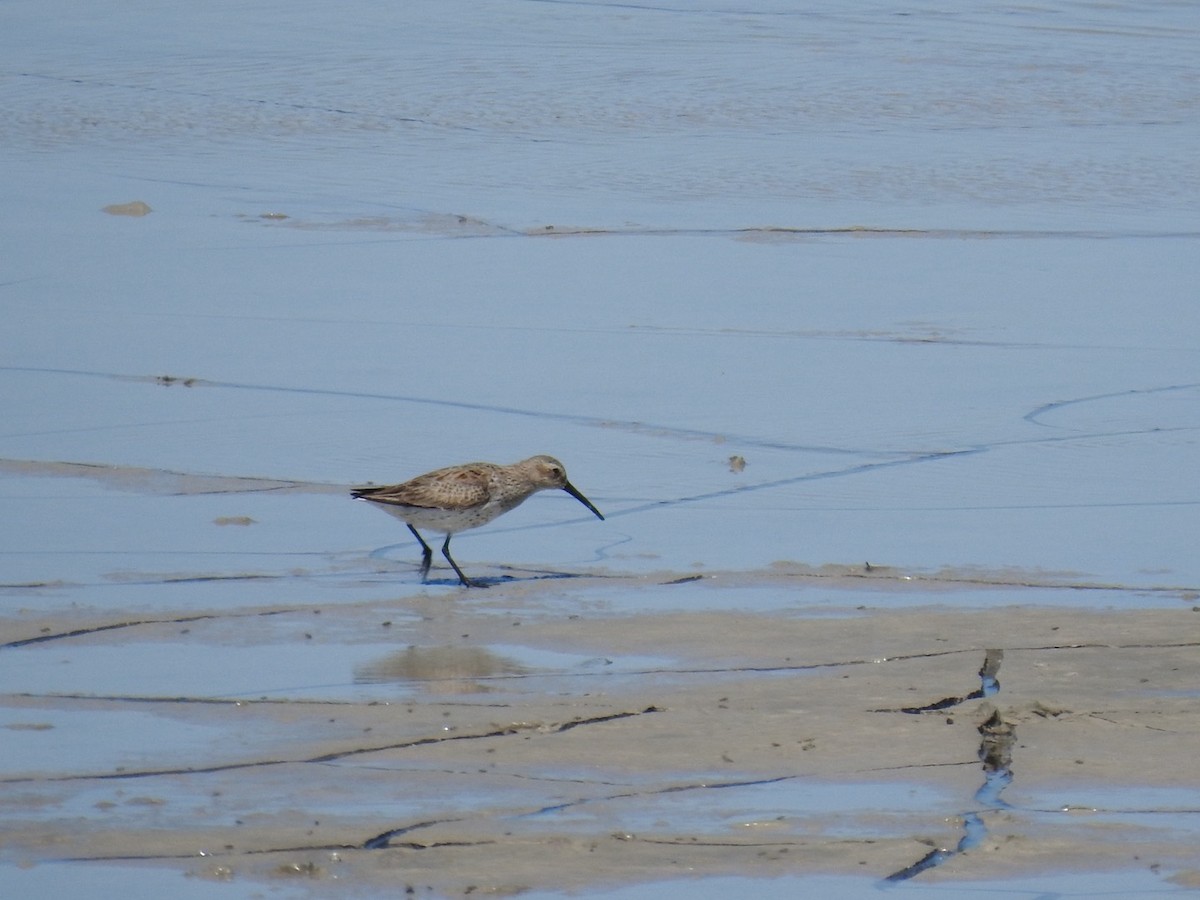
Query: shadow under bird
x=456 y=498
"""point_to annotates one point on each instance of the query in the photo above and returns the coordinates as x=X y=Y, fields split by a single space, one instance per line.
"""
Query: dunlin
x=456 y=498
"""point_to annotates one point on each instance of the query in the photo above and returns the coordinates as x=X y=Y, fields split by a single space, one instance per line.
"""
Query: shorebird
x=456 y=498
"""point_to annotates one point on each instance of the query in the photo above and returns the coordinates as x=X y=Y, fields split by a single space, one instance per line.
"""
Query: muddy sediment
x=512 y=745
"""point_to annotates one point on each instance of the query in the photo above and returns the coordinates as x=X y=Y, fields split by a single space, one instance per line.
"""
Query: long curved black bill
x=570 y=489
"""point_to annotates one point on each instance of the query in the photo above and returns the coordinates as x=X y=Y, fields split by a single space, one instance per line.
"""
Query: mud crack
x=136 y=623
x=500 y=731
x=997 y=737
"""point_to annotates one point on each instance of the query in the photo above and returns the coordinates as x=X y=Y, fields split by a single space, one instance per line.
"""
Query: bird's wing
x=456 y=487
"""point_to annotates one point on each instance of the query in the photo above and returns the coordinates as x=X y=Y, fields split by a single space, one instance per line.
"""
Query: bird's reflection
x=442 y=670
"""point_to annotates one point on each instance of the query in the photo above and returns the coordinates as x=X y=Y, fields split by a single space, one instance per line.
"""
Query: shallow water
x=928 y=271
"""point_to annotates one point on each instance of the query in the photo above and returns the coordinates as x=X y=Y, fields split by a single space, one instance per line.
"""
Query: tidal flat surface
x=872 y=331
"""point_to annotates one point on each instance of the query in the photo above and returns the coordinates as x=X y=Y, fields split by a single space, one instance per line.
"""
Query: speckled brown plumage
x=456 y=498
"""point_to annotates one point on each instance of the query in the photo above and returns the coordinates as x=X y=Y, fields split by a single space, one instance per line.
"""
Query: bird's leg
x=467 y=582
x=426 y=553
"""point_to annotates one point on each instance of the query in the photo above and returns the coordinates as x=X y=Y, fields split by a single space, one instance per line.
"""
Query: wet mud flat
x=540 y=736
x=910 y=285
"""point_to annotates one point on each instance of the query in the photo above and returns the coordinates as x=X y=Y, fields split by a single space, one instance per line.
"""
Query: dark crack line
x=989 y=685
x=204 y=854
x=904 y=767
x=499 y=732
x=303 y=848
x=335 y=756
x=634 y=673
x=988 y=674
x=684 y=579
x=612 y=717
x=384 y=839
x=137 y=623
x=667 y=842
x=673 y=789
x=568 y=418
x=861 y=468
x=935 y=706
x=214 y=701
x=236 y=700
x=494 y=774
x=432 y=845
x=836 y=664
x=1035 y=415
x=881 y=458
x=887 y=576
x=1140 y=725
x=997 y=738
